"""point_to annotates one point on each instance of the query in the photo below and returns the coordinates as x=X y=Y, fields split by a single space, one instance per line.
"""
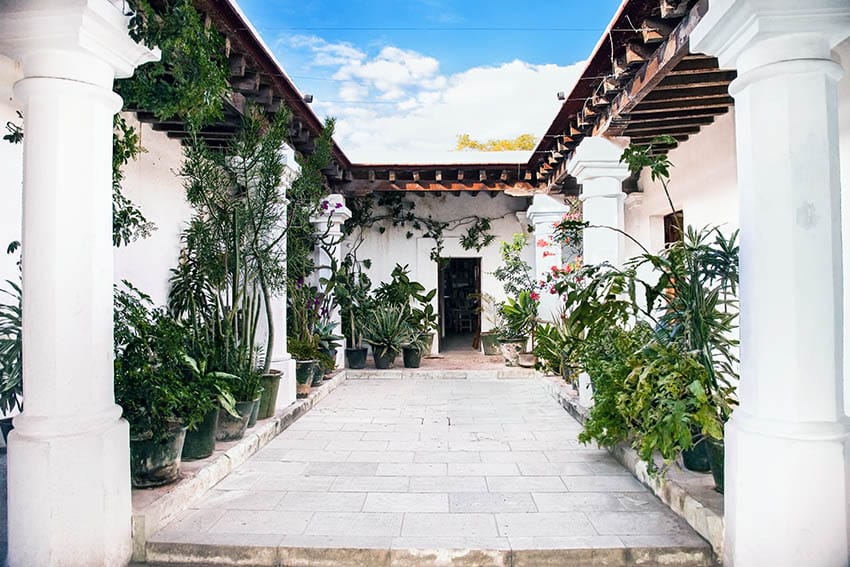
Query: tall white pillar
x=544 y=213
x=281 y=359
x=596 y=165
x=69 y=470
x=328 y=224
x=787 y=476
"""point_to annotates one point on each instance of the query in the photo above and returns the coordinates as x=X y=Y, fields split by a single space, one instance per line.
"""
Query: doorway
x=460 y=291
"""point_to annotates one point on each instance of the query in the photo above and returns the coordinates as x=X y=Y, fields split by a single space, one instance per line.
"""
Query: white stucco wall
x=152 y=183
x=391 y=248
x=703 y=185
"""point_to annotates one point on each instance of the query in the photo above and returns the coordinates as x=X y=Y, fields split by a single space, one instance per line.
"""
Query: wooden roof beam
x=654 y=30
x=674 y=8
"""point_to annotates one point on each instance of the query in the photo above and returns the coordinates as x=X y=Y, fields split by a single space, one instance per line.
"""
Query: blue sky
x=404 y=78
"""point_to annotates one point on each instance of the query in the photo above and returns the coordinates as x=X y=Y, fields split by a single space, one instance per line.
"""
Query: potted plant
x=11 y=357
x=417 y=344
x=306 y=354
x=150 y=387
x=490 y=309
x=329 y=343
x=212 y=394
x=520 y=317
x=386 y=330
x=351 y=288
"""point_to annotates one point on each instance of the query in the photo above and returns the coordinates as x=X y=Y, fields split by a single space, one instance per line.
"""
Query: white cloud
x=396 y=106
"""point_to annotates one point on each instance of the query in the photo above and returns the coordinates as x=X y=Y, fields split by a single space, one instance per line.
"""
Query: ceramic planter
x=526 y=359
x=356 y=358
x=412 y=357
x=255 y=411
x=715 y=450
x=318 y=375
x=268 y=397
x=696 y=458
x=511 y=349
x=232 y=428
x=384 y=357
x=490 y=344
x=303 y=377
x=156 y=462
x=200 y=442
x=6 y=427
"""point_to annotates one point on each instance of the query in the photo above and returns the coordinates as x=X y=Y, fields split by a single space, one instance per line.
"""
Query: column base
x=69 y=497
x=585 y=390
x=787 y=494
x=286 y=391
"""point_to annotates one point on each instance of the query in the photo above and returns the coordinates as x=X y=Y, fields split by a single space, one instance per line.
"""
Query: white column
x=328 y=224
x=596 y=165
x=69 y=471
x=281 y=359
x=544 y=213
x=787 y=475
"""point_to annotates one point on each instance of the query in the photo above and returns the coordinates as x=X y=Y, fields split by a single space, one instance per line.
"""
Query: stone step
x=545 y=554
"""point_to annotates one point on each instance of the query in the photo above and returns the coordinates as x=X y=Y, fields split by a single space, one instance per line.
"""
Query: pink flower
x=546 y=254
x=535 y=296
x=552 y=290
x=542 y=243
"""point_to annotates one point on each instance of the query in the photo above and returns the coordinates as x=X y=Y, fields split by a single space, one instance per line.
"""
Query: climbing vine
x=392 y=209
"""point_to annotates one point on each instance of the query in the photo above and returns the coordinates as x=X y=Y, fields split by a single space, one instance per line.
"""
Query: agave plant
x=387 y=329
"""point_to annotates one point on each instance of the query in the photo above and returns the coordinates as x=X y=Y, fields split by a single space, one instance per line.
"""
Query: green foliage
x=149 y=367
x=210 y=386
x=520 y=316
x=552 y=342
x=351 y=286
x=514 y=273
x=387 y=329
x=190 y=80
x=393 y=209
x=401 y=290
x=11 y=351
x=520 y=143
x=305 y=197
x=128 y=222
x=14 y=132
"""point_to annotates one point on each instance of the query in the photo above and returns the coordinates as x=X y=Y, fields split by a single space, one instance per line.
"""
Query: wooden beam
x=637 y=53
x=682 y=103
x=673 y=8
x=668 y=55
x=654 y=30
x=364 y=186
x=237 y=64
x=246 y=84
x=663 y=121
x=642 y=129
x=687 y=92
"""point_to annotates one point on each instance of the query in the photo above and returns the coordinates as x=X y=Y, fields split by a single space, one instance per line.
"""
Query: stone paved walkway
x=425 y=472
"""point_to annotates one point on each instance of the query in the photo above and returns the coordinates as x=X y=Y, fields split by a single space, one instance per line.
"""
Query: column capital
x=332 y=214
x=82 y=40
x=597 y=157
x=747 y=34
x=546 y=210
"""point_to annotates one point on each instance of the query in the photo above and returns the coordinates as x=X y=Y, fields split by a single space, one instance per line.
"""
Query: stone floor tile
x=341 y=469
x=525 y=484
x=576 y=501
x=308 y=455
x=483 y=469
x=391 y=436
x=357 y=446
x=335 y=541
x=241 y=500
x=447 y=457
x=687 y=538
x=371 y=484
x=261 y=522
x=292 y=483
x=282 y=444
x=491 y=502
x=603 y=484
x=355 y=524
x=555 y=469
x=193 y=522
x=381 y=456
x=274 y=467
x=636 y=523
x=429 y=525
x=514 y=457
x=322 y=501
x=566 y=542
x=336 y=435
x=448 y=484
x=406 y=502
x=544 y=524
x=239 y=480
x=411 y=469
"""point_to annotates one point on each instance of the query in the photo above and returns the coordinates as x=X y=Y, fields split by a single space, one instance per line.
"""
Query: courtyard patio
x=440 y=471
